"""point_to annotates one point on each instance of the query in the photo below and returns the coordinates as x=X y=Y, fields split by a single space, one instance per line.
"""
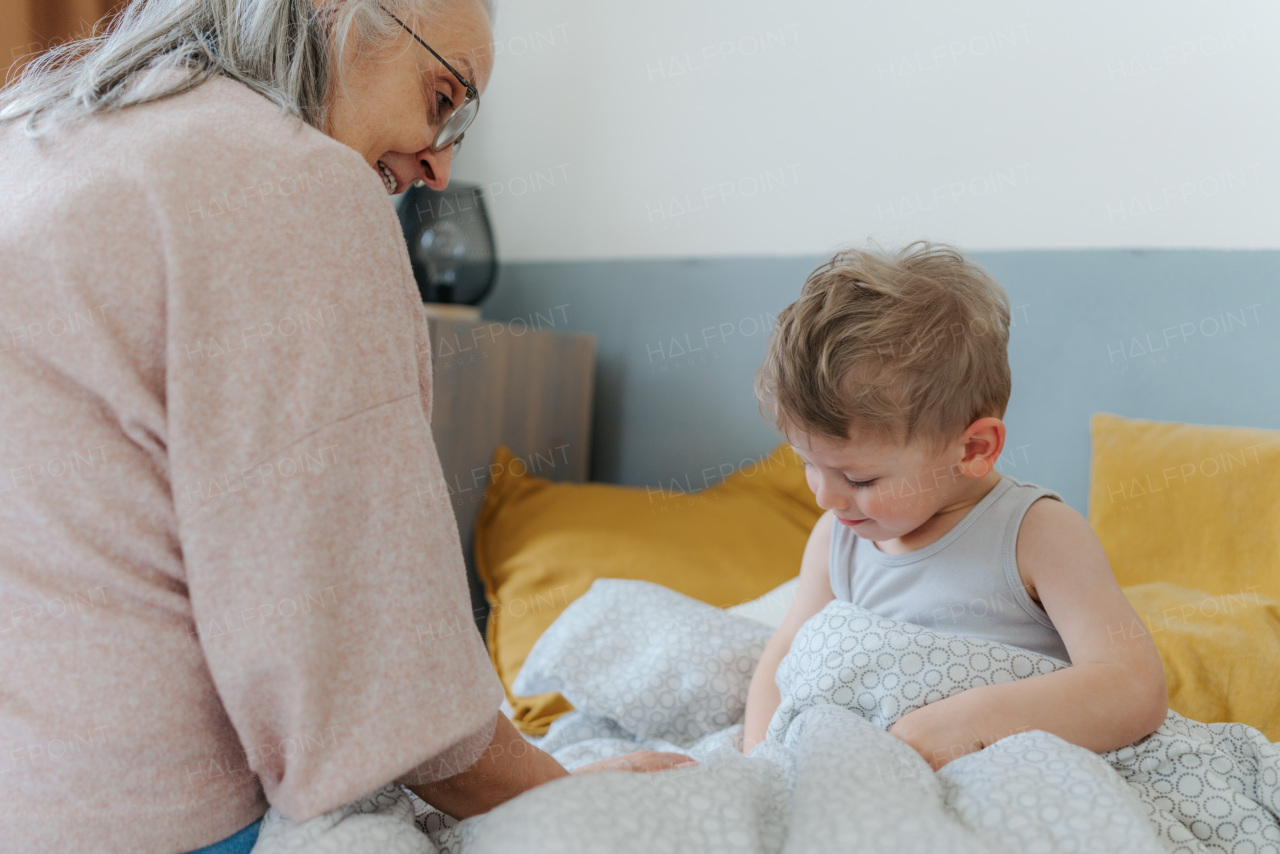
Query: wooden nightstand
x=507 y=384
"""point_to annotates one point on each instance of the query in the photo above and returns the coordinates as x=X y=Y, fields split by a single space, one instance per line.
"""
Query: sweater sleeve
x=321 y=555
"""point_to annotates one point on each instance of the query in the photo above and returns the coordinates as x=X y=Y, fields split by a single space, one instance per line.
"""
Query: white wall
x=692 y=128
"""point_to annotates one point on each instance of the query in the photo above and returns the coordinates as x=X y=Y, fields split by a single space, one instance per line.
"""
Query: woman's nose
x=435 y=167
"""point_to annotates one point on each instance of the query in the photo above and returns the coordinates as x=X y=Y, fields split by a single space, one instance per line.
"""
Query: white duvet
x=649 y=668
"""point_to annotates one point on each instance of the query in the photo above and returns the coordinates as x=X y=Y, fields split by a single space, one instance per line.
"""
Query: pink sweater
x=229 y=569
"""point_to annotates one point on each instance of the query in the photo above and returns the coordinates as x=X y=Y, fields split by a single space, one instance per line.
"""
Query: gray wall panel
x=1172 y=335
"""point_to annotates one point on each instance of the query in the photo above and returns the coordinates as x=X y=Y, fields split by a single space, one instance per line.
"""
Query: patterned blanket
x=648 y=668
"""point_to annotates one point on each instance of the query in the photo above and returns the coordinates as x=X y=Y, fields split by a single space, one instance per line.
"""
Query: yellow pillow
x=539 y=545
x=1187 y=504
x=1188 y=517
x=1220 y=652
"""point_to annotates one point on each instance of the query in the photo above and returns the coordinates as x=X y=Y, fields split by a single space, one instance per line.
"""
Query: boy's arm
x=812 y=594
x=1114 y=692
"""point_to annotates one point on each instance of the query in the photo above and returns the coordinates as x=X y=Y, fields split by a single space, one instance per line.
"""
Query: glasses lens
x=456 y=124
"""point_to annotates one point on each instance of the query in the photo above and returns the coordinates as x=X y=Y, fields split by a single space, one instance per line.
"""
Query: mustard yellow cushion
x=540 y=545
x=1221 y=653
x=1187 y=504
x=1190 y=518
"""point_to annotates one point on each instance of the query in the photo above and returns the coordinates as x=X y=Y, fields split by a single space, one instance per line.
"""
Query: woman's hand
x=642 y=761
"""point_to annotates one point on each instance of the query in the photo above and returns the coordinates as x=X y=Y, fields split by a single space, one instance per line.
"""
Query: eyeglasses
x=456 y=123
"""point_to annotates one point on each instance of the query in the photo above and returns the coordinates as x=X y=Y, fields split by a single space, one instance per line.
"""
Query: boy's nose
x=829 y=498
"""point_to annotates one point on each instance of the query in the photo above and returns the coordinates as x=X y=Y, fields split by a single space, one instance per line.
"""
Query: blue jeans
x=237 y=843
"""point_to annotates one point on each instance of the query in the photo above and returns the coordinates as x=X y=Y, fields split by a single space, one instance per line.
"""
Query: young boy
x=889 y=376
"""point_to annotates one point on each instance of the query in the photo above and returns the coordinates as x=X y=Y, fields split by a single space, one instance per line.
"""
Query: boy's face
x=882 y=490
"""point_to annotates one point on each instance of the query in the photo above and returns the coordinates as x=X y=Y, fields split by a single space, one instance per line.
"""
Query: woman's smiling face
x=387 y=103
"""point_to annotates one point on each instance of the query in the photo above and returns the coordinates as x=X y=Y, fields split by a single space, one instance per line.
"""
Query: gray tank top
x=966 y=583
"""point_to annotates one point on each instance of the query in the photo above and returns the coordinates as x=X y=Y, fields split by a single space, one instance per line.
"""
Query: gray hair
x=279 y=48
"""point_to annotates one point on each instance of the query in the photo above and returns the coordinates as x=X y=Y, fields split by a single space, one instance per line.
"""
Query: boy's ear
x=983 y=442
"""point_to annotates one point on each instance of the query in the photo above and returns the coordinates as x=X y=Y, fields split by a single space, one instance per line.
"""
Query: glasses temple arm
x=464 y=81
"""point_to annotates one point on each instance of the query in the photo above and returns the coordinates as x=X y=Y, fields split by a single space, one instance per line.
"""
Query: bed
x=632 y=618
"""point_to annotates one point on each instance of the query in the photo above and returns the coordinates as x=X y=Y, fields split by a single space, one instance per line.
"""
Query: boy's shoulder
x=1050 y=530
x=1041 y=512
x=1026 y=484
x=1032 y=501
x=1040 y=506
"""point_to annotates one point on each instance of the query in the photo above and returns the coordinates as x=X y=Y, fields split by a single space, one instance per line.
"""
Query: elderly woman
x=229 y=572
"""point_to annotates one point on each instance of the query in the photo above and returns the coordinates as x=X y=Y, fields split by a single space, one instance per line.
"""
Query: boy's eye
x=860 y=484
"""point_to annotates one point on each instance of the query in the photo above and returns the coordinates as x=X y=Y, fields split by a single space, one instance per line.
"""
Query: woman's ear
x=983 y=442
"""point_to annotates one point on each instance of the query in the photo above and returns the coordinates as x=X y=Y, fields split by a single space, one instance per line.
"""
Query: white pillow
x=771 y=607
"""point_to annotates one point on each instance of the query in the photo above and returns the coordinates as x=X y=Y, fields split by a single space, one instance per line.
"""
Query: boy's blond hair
x=898 y=347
